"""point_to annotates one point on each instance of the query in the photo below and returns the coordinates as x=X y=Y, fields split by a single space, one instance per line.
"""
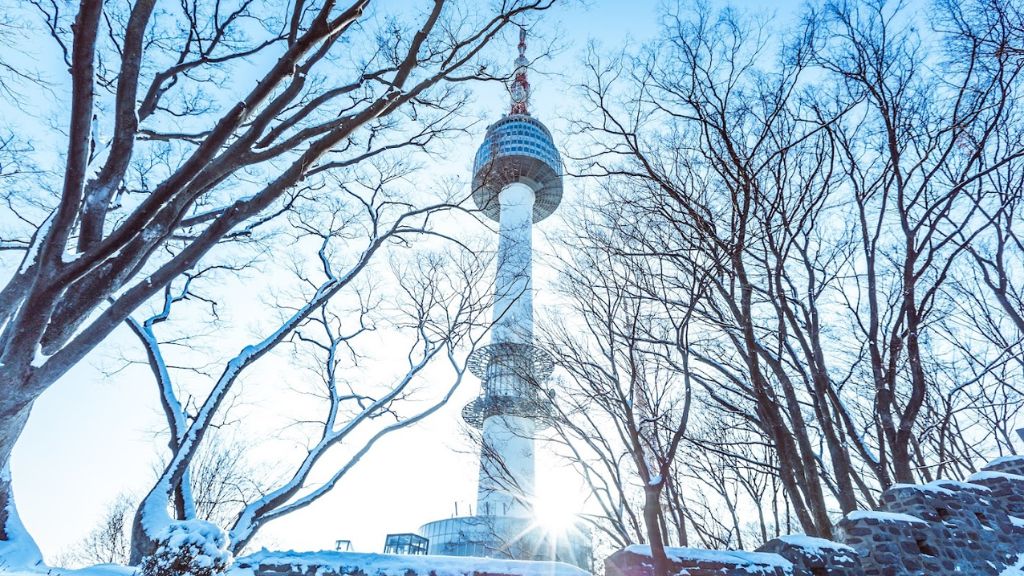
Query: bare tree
x=222 y=481
x=939 y=140
x=627 y=394
x=441 y=310
x=828 y=186
x=14 y=34
x=195 y=155
x=712 y=180
x=109 y=541
x=16 y=173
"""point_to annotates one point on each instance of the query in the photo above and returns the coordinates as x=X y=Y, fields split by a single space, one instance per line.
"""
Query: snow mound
x=883 y=516
x=812 y=544
x=189 y=548
x=398 y=565
x=956 y=485
x=1005 y=460
x=752 y=562
x=98 y=570
x=985 y=475
x=931 y=487
x=19 y=550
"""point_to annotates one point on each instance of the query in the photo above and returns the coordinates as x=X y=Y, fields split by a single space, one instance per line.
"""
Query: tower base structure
x=508 y=537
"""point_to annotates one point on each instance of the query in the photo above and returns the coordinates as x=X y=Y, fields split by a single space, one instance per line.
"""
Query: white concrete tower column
x=507 y=457
x=513 y=302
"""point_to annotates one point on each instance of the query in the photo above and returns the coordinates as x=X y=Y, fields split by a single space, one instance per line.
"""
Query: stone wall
x=942 y=528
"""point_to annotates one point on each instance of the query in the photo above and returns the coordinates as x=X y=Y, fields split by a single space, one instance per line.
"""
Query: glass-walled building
x=405 y=544
x=508 y=537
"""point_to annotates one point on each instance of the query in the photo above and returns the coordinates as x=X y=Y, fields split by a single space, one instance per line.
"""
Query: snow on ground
x=18 y=549
x=399 y=565
x=762 y=561
x=883 y=516
x=101 y=570
x=346 y=563
x=394 y=565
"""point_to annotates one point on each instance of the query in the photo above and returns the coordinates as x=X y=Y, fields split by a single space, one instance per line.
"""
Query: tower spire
x=520 y=89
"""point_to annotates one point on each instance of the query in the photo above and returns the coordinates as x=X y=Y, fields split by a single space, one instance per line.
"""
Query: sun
x=554 y=512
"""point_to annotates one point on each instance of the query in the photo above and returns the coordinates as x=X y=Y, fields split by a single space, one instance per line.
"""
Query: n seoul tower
x=517 y=182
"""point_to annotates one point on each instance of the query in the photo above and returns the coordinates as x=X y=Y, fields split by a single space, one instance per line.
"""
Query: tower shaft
x=507 y=455
x=513 y=305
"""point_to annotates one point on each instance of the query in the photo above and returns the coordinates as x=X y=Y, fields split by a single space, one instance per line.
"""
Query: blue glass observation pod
x=518 y=148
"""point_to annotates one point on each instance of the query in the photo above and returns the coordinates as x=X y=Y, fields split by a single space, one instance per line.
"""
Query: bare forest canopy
x=793 y=276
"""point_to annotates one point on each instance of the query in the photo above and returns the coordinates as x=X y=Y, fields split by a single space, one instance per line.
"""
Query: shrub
x=189 y=548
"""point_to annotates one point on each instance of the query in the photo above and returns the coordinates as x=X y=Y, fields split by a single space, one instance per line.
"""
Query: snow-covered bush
x=189 y=548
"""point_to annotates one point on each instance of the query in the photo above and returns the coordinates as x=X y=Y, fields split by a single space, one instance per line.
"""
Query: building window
x=405 y=544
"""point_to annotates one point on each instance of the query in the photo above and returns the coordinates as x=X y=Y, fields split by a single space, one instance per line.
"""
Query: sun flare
x=555 y=513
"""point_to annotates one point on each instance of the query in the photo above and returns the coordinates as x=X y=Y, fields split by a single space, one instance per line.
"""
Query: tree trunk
x=652 y=518
x=13 y=417
x=141 y=544
x=17 y=548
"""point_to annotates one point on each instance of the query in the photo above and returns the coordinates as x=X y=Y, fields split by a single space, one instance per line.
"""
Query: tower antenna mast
x=520 y=89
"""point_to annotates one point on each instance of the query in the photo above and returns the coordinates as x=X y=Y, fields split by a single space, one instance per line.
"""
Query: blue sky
x=93 y=436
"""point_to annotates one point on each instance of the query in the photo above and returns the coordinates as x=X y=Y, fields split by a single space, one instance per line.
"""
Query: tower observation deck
x=517 y=182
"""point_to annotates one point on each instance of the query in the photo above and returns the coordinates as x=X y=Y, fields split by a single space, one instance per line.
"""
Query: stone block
x=816 y=556
x=1006 y=490
x=1007 y=465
